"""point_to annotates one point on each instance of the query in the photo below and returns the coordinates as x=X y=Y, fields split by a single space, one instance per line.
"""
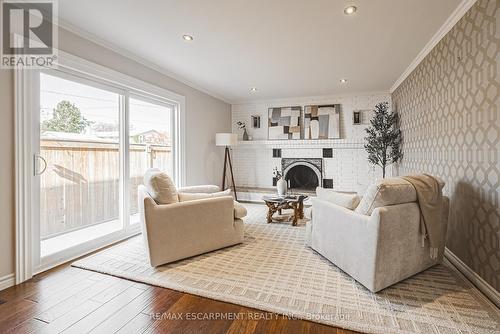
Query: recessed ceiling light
x=187 y=37
x=253 y=89
x=343 y=81
x=350 y=10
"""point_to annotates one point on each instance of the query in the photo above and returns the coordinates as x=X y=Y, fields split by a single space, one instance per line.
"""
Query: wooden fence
x=81 y=185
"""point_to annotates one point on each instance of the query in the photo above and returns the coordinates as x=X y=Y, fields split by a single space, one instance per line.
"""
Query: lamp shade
x=226 y=139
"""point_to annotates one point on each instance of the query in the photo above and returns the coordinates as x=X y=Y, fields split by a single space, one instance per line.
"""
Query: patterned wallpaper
x=450 y=119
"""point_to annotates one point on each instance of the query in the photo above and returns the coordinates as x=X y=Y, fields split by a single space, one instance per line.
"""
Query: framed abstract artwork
x=361 y=117
x=357 y=117
x=285 y=123
x=256 y=121
x=321 y=122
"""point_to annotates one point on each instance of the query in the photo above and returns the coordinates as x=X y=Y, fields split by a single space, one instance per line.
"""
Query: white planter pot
x=281 y=187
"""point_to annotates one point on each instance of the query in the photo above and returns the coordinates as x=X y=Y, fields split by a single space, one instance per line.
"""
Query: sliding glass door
x=94 y=143
x=79 y=150
x=150 y=143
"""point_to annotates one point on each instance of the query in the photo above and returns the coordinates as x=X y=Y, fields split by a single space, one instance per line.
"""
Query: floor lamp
x=226 y=140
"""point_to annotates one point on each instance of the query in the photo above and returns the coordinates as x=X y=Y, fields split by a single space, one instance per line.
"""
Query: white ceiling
x=283 y=47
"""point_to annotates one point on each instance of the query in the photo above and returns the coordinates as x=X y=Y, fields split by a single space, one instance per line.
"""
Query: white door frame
x=26 y=110
x=24 y=169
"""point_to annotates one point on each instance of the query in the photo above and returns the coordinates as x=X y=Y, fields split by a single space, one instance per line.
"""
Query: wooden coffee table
x=277 y=203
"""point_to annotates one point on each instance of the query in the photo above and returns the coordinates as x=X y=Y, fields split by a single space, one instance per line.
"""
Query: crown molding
x=132 y=56
x=457 y=14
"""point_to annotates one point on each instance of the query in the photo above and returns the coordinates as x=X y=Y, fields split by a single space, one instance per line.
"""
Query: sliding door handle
x=37 y=171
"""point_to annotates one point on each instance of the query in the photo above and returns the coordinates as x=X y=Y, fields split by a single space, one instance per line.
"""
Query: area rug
x=274 y=271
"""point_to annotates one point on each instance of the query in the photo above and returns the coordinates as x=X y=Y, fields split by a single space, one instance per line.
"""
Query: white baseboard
x=7 y=281
x=490 y=292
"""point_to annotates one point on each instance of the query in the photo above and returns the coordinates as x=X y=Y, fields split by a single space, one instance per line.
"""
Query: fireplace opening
x=302 y=177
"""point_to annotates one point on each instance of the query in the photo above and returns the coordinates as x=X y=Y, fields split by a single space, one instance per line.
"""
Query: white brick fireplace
x=344 y=163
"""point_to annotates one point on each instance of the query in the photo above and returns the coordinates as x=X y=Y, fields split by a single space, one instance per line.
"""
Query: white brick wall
x=253 y=163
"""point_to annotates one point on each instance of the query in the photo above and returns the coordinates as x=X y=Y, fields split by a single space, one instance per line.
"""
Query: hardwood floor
x=72 y=300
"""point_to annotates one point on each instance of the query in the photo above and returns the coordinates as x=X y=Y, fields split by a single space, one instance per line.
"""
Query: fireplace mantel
x=301 y=142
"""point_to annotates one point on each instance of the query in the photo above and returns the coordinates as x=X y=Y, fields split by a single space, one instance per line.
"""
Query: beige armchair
x=184 y=229
x=380 y=247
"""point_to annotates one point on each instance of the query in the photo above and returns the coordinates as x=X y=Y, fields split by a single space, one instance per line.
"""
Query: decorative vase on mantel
x=281 y=187
x=245 y=135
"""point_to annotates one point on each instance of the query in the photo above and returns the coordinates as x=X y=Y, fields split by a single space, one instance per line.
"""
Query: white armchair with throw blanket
x=383 y=240
x=181 y=223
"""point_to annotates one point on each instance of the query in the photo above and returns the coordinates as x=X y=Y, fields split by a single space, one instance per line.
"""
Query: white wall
x=205 y=115
x=7 y=173
x=349 y=169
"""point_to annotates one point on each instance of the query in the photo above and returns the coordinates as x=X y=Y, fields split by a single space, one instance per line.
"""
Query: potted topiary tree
x=383 y=142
